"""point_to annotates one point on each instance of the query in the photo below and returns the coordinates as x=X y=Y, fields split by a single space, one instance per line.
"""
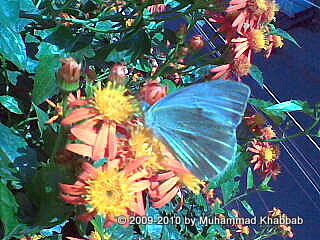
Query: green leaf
x=13 y=77
x=44 y=191
x=13 y=47
x=256 y=74
x=264 y=185
x=45 y=84
x=16 y=155
x=288 y=106
x=229 y=189
x=172 y=87
x=12 y=104
x=131 y=48
x=42 y=119
x=9 y=13
x=8 y=209
x=100 y=162
x=284 y=34
x=143 y=65
x=248 y=207
x=276 y=116
x=250 y=179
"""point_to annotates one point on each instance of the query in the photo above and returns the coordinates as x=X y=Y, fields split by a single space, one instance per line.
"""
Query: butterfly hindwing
x=199 y=124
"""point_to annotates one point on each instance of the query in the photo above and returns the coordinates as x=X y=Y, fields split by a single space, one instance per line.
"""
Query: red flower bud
x=197 y=42
x=118 y=73
x=152 y=92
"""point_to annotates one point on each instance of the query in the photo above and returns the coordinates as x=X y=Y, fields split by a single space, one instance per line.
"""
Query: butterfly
x=199 y=124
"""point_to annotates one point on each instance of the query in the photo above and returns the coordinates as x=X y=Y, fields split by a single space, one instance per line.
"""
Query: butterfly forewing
x=199 y=124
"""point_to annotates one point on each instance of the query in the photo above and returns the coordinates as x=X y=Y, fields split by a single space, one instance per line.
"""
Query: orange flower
x=107 y=191
x=286 y=231
x=272 y=169
x=254 y=40
x=265 y=153
x=152 y=91
x=66 y=15
x=165 y=186
x=239 y=66
x=103 y=117
x=274 y=42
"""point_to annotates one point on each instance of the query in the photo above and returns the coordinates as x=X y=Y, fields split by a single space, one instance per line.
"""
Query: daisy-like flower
x=254 y=40
x=59 y=109
x=275 y=212
x=107 y=191
x=268 y=133
x=239 y=67
x=265 y=153
x=111 y=108
x=165 y=186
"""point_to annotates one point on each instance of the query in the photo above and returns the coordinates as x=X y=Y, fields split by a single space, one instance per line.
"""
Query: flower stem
x=305 y=132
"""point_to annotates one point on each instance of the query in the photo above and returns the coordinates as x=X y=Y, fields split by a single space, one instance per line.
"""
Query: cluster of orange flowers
x=285 y=230
x=245 y=26
x=265 y=153
x=234 y=229
x=125 y=160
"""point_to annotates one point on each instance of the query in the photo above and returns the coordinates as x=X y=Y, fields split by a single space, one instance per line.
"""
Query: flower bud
x=152 y=92
x=197 y=42
x=69 y=74
x=118 y=73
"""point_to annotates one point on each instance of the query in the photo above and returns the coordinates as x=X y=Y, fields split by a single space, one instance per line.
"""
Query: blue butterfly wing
x=199 y=124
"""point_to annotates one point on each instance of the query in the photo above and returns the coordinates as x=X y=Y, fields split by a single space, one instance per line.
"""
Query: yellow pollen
x=36 y=237
x=191 y=182
x=258 y=7
x=113 y=103
x=270 y=154
x=110 y=193
x=143 y=143
x=257 y=40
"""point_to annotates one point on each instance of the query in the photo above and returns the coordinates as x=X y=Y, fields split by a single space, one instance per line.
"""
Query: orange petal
x=140 y=186
x=84 y=135
x=112 y=141
x=220 y=68
x=79 y=115
x=86 y=217
x=140 y=174
x=163 y=176
x=101 y=143
x=167 y=186
x=167 y=198
x=73 y=199
x=134 y=164
x=139 y=207
x=72 y=189
x=81 y=149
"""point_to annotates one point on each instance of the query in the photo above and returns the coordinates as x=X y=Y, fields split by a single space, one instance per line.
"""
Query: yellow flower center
x=271 y=153
x=257 y=40
x=258 y=7
x=143 y=143
x=191 y=182
x=110 y=193
x=113 y=103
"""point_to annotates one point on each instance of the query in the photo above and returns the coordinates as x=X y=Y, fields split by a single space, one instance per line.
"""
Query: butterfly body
x=199 y=124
